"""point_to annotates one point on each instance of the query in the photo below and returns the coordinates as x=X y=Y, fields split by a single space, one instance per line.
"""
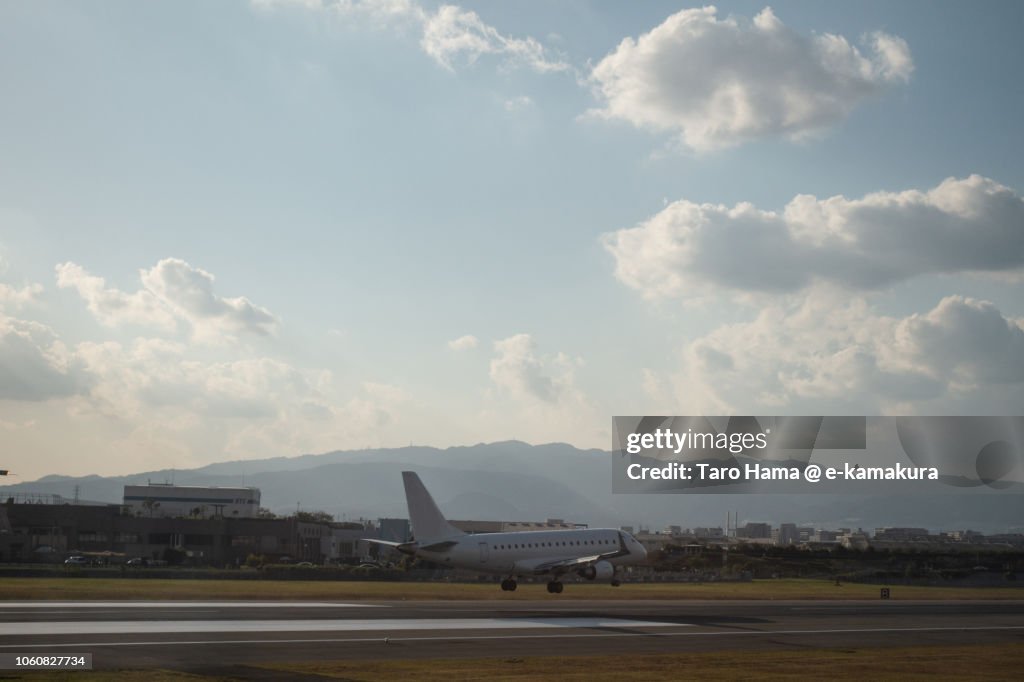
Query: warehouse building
x=156 y=500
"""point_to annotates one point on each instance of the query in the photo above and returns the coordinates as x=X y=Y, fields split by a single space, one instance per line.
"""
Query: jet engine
x=601 y=570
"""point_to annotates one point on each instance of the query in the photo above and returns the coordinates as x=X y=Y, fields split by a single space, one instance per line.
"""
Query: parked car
x=76 y=561
x=305 y=564
x=136 y=562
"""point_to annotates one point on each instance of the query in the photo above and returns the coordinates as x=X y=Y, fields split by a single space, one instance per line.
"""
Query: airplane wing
x=412 y=547
x=566 y=565
x=403 y=547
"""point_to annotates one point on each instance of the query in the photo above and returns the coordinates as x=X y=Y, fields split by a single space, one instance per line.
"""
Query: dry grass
x=982 y=662
x=115 y=676
x=159 y=589
x=973 y=662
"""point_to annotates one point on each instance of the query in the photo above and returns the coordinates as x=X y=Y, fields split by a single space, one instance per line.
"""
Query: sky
x=248 y=229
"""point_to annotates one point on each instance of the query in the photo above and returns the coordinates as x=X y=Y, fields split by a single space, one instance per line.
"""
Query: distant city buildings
x=788 y=534
x=755 y=531
x=225 y=526
x=201 y=525
x=702 y=533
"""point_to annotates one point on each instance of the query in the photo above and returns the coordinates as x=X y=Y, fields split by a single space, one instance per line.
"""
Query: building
x=702 y=533
x=755 y=531
x=902 y=535
x=825 y=536
x=855 y=540
x=348 y=541
x=653 y=542
x=41 y=532
x=394 y=530
x=786 y=534
x=165 y=500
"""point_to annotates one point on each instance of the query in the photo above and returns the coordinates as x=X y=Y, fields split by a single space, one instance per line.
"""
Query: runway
x=209 y=636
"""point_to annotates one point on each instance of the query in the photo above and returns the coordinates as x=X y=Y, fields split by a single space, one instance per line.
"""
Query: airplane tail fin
x=428 y=524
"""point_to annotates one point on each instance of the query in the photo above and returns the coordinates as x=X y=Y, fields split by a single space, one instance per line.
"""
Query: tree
x=314 y=517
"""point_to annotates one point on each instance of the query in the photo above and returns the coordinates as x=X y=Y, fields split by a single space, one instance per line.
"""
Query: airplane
x=592 y=553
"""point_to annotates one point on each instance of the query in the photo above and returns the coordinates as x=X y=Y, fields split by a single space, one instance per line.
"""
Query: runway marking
x=5 y=612
x=179 y=604
x=348 y=625
x=568 y=635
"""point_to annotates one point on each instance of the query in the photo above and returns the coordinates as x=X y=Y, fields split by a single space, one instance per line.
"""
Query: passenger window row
x=532 y=545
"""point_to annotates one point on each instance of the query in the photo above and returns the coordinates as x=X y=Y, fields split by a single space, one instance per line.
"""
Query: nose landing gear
x=555 y=587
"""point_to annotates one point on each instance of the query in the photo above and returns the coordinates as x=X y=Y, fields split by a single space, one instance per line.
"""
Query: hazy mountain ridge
x=533 y=482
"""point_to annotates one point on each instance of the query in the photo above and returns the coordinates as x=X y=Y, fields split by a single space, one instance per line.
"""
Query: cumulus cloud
x=451 y=36
x=111 y=306
x=152 y=378
x=161 y=401
x=153 y=374
x=965 y=342
x=536 y=396
x=16 y=297
x=467 y=342
x=719 y=82
x=376 y=407
x=825 y=355
x=517 y=369
x=376 y=9
x=369 y=419
x=172 y=291
x=34 y=364
x=188 y=292
x=165 y=399
x=962 y=225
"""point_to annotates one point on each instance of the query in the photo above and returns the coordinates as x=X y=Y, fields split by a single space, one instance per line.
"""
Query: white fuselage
x=523 y=552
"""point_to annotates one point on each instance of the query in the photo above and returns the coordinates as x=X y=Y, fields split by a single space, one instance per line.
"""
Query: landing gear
x=555 y=587
x=615 y=582
x=509 y=585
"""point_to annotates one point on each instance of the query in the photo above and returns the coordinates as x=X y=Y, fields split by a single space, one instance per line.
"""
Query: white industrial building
x=164 y=500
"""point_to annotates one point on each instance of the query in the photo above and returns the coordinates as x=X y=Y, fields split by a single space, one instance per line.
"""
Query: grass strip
x=974 y=662
x=168 y=589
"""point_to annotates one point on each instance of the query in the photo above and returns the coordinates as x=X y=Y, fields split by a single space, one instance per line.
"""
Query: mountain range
x=515 y=481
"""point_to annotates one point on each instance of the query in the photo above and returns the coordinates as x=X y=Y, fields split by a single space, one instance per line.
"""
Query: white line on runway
x=5 y=612
x=353 y=625
x=559 y=635
x=178 y=604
